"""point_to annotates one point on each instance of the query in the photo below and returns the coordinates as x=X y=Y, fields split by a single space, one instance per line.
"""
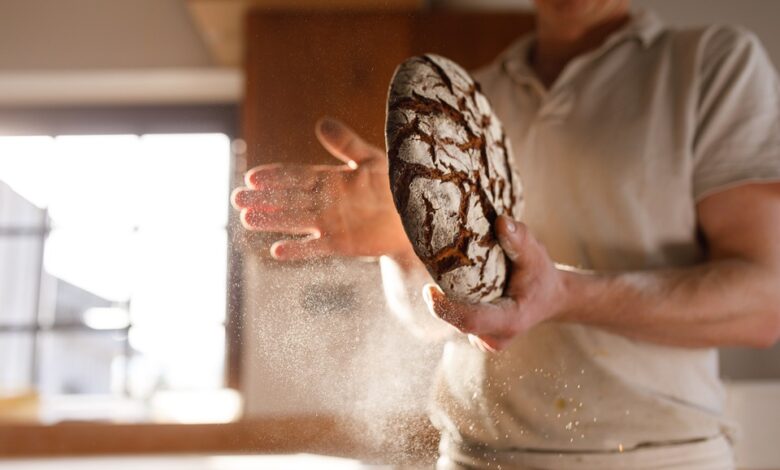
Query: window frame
x=325 y=434
x=140 y=120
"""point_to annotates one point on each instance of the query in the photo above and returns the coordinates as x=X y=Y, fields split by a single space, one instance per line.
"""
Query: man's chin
x=567 y=11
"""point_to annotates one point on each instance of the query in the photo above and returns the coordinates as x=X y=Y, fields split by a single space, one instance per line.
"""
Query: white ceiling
x=98 y=34
x=106 y=52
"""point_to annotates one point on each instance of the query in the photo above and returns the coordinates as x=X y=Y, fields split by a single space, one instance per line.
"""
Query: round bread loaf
x=450 y=175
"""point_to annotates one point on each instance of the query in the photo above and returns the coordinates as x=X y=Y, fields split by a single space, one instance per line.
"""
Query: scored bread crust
x=450 y=175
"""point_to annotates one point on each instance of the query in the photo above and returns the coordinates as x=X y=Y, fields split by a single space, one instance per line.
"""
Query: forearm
x=718 y=303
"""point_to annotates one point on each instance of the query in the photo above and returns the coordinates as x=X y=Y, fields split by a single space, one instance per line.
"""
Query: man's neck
x=556 y=45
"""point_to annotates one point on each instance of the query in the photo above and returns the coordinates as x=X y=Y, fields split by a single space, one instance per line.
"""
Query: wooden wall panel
x=300 y=66
x=471 y=39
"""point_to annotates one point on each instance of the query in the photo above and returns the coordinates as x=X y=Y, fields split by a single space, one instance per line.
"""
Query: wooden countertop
x=396 y=440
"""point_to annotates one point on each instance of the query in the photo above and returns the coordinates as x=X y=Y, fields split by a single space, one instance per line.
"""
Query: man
x=650 y=163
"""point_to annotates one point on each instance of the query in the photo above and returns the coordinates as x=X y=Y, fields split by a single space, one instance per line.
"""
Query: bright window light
x=125 y=238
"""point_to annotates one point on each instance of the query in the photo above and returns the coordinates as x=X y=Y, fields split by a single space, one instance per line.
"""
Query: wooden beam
x=120 y=87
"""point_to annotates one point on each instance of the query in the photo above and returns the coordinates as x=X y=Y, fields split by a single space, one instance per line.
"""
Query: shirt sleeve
x=737 y=135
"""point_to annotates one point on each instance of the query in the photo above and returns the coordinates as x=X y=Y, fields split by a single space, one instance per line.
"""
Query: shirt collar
x=644 y=26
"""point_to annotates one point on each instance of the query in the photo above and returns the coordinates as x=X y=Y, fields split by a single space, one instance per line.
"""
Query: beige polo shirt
x=613 y=158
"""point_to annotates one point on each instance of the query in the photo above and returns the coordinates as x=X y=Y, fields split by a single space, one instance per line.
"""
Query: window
x=113 y=276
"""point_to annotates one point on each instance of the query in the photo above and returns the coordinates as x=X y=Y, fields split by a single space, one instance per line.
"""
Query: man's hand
x=346 y=209
x=535 y=292
x=729 y=299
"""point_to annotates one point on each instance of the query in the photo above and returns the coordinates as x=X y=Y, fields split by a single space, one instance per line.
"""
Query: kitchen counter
x=192 y=462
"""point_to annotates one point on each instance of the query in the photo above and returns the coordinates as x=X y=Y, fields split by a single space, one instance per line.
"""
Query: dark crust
x=470 y=183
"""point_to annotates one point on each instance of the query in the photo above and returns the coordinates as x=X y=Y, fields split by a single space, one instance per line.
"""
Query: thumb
x=344 y=143
x=514 y=238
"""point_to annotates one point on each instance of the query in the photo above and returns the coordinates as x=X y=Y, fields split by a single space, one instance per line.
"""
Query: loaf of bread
x=450 y=174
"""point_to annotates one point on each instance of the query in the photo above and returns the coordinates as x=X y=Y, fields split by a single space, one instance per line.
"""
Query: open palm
x=347 y=209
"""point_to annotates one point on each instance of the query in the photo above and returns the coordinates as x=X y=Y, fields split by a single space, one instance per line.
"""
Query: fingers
x=344 y=143
x=440 y=306
x=270 y=201
x=499 y=319
x=281 y=210
x=299 y=177
x=294 y=250
x=287 y=199
x=494 y=343
x=282 y=221
x=488 y=343
x=514 y=238
x=478 y=343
